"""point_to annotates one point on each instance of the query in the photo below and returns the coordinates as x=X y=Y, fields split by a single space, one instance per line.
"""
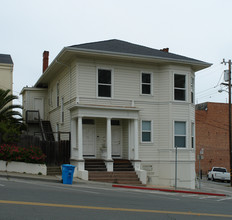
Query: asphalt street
x=34 y=199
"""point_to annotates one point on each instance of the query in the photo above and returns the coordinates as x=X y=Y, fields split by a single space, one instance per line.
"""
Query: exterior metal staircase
x=47 y=130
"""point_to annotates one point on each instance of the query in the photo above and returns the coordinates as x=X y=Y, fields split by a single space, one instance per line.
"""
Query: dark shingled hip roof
x=123 y=47
x=6 y=59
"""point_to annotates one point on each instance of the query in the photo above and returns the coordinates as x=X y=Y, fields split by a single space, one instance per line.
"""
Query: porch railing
x=32 y=116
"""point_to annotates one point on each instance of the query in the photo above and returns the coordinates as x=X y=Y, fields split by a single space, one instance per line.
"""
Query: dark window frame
x=145 y=84
x=104 y=83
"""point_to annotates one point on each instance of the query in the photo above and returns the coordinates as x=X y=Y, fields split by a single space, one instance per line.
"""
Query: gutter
x=201 y=64
x=143 y=57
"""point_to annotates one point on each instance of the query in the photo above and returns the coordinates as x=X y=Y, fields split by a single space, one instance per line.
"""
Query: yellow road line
x=113 y=209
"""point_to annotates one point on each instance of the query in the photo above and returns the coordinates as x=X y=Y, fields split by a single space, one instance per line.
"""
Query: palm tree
x=7 y=111
x=10 y=120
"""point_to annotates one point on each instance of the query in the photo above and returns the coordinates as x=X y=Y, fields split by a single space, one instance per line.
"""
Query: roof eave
x=44 y=74
x=196 y=66
x=200 y=65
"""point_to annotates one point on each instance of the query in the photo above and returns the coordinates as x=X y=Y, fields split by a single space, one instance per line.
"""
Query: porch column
x=108 y=139
x=74 y=139
x=136 y=137
x=109 y=162
x=80 y=139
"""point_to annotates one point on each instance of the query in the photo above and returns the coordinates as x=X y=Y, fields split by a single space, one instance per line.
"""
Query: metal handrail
x=38 y=121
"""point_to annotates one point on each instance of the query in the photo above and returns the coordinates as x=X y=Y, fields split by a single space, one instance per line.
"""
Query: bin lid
x=68 y=165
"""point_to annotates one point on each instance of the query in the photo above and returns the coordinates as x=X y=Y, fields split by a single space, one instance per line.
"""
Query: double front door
x=89 y=139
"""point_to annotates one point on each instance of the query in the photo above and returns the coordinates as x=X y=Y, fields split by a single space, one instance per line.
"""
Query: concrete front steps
x=123 y=173
x=120 y=177
x=95 y=165
x=54 y=171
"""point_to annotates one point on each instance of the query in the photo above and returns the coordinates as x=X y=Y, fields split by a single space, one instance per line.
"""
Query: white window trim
x=112 y=82
x=146 y=72
x=186 y=87
x=141 y=126
x=186 y=136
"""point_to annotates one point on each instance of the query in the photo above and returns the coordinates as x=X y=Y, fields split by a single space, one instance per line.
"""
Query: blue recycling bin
x=67 y=173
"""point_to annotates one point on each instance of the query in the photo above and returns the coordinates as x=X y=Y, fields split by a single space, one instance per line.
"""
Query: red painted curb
x=168 y=190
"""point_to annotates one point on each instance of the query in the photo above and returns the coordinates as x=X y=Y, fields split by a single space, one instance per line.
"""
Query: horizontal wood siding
x=111 y=102
x=67 y=91
x=87 y=80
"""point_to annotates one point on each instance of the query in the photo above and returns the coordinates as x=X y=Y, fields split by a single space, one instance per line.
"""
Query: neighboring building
x=122 y=100
x=6 y=72
x=212 y=135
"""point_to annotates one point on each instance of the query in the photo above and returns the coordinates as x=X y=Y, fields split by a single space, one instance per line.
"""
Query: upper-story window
x=146 y=83
x=192 y=89
x=57 y=94
x=179 y=87
x=104 y=83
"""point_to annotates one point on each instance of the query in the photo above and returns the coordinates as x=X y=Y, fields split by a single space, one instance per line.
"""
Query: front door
x=116 y=141
x=88 y=140
x=39 y=106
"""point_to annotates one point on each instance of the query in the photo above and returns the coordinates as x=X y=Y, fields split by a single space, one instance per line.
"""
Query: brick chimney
x=45 y=60
x=165 y=50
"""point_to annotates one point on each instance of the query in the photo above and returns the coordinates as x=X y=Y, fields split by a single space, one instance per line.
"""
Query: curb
x=169 y=190
x=12 y=176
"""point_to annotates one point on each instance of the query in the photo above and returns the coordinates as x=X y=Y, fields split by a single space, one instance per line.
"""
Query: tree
x=10 y=119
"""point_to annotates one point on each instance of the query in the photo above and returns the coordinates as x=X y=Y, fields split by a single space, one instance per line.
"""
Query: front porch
x=105 y=133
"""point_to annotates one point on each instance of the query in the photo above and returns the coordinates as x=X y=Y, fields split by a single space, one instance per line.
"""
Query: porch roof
x=104 y=111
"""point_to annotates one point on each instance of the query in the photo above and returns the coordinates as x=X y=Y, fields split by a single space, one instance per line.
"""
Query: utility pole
x=230 y=137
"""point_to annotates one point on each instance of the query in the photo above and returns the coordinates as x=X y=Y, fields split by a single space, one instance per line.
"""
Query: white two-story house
x=122 y=100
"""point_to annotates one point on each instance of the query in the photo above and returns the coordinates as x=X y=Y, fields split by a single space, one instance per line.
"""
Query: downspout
x=69 y=88
x=69 y=79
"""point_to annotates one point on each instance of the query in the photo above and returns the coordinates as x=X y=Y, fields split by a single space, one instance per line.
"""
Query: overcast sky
x=199 y=29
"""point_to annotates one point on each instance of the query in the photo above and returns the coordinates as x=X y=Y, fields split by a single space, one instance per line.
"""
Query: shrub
x=21 y=154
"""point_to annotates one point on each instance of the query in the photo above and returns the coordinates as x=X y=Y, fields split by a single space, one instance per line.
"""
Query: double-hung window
x=193 y=135
x=180 y=134
x=192 y=89
x=57 y=94
x=146 y=131
x=179 y=87
x=146 y=83
x=104 y=83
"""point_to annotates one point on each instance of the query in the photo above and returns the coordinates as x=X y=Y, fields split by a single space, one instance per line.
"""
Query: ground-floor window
x=193 y=135
x=146 y=131
x=115 y=122
x=180 y=134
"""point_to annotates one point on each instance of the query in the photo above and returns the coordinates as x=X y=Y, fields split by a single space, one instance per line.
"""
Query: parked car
x=218 y=173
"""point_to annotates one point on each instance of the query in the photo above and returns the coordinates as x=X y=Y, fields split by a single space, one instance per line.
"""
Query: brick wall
x=212 y=134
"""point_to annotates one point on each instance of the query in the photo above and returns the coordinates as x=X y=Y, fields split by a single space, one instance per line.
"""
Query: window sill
x=99 y=97
x=149 y=95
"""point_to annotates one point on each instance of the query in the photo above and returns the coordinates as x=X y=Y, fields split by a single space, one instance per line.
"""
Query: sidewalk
x=207 y=187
